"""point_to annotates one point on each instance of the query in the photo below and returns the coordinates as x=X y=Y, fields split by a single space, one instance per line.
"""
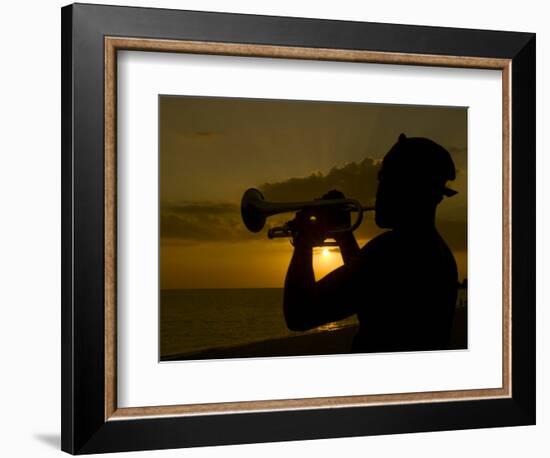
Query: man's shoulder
x=380 y=244
x=382 y=239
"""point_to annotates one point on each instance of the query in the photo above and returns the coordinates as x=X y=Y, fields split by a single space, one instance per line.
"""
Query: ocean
x=193 y=320
x=198 y=319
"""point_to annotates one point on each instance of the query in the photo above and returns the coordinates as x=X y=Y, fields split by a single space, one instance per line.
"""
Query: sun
x=326 y=259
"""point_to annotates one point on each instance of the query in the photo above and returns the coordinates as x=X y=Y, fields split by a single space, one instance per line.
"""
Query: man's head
x=412 y=182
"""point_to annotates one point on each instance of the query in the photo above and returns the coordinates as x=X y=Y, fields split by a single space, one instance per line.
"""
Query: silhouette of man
x=403 y=283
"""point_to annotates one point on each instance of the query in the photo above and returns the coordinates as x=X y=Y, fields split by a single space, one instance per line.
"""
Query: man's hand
x=349 y=247
x=307 y=230
x=312 y=226
x=336 y=218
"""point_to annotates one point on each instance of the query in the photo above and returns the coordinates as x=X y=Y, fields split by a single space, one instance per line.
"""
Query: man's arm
x=307 y=303
x=349 y=248
x=299 y=289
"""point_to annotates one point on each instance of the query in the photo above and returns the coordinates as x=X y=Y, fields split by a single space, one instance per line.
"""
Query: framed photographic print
x=281 y=228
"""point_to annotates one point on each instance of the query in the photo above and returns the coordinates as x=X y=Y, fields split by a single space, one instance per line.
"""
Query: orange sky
x=213 y=149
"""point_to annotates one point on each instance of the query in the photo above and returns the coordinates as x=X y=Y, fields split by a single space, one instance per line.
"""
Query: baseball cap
x=422 y=160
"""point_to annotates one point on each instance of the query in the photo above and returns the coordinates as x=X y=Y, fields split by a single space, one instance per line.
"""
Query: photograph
x=310 y=227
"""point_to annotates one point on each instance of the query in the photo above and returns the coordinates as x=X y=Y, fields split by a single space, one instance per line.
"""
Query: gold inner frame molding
x=114 y=44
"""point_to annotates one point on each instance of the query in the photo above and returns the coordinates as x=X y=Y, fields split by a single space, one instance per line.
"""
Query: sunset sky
x=213 y=149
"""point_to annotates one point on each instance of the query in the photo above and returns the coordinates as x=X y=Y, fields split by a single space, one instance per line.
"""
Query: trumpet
x=255 y=210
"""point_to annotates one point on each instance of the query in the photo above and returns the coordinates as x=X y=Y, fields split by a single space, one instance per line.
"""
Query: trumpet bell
x=255 y=210
x=253 y=217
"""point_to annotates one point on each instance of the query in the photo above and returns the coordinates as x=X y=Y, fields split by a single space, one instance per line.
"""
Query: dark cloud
x=191 y=209
x=455 y=233
x=196 y=221
x=455 y=150
x=199 y=221
x=460 y=157
x=355 y=180
x=360 y=181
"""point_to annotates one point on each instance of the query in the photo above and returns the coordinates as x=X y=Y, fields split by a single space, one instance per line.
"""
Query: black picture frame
x=84 y=426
